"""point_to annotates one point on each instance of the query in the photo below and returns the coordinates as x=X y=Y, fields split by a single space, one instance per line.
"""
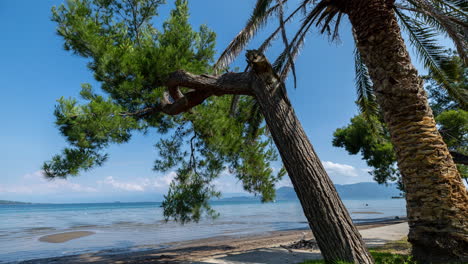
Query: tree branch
x=459 y=158
x=202 y=87
x=228 y=83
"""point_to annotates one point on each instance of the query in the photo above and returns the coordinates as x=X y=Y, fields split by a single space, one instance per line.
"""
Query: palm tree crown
x=423 y=20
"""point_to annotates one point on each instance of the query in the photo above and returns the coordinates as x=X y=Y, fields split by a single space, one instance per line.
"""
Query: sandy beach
x=271 y=247
x=64 y=237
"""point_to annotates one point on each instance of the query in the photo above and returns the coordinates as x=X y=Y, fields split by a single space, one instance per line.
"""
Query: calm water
x=138 y=226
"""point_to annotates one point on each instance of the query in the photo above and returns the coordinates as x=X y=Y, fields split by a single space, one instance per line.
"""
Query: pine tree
x=157 y=81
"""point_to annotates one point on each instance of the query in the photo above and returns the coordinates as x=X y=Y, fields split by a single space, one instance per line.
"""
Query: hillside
x=11 y=202
x=357 y=191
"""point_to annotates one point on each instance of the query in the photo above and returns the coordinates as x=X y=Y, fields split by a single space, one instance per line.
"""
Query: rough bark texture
x=329 y=220
x=437 y=200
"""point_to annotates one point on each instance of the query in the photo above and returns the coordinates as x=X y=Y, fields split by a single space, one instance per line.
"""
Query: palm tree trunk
x=329 y=220
x=437 y=200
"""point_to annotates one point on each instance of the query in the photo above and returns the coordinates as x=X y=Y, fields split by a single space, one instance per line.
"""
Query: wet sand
x=64 y=237
x=267 y=246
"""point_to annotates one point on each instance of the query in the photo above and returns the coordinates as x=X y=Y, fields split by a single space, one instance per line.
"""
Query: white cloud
x=126 y=186
x=163 y=182
x=37 y=175
x=62 y=185
x=340 y=169
x=35 y=183
x=228 y=184
x=159 y=184
x=285 y=182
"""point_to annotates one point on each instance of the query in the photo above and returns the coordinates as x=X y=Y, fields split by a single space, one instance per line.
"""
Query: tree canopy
x=132 y=59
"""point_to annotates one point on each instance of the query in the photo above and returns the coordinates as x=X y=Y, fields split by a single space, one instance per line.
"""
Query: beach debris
x=301 y=244
x=288 y=249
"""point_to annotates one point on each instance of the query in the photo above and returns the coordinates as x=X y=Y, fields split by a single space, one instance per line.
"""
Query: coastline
x=193 y=251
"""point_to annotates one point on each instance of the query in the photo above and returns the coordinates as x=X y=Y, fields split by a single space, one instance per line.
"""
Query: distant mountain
x=357 y=191
x=11 y=202
x=286 y=194
x=239 y=199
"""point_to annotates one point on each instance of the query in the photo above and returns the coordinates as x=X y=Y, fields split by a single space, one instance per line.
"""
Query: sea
x=121 y=227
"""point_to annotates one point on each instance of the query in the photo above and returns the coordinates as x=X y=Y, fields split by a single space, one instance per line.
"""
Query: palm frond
x=265 y=46
x=459 y=20
x=429 y=52
x=364 y=88
x=456 y=7
x=285 y=40
x=423 y=40
x=257 y=20
x=327 y=15
x=282 y=64
x=323 y=13
x=275 y=33
x=294 y=52
x=450 y=24
x=335 y=35
x=303 y=6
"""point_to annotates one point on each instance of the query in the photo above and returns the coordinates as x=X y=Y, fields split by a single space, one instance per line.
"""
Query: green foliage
x=389 y=258
x=218 y=143
x=448 y=99
x=128 y=55
x=72 y=161
x=132 y=60
x=450 y=107
x=372 y=141
x=454 y=127
x=188 y=196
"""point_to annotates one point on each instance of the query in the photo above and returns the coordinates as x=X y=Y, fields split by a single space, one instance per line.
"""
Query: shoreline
x=199 y=249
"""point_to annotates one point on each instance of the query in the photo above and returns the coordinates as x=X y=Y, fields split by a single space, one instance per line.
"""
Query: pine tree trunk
x=337 y=237
x=437 y=200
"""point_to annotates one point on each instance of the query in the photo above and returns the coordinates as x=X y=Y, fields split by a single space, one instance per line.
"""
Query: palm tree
x=437 y=200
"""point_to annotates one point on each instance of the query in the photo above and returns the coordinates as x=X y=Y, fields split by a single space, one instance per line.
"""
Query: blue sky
x=35 y=71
